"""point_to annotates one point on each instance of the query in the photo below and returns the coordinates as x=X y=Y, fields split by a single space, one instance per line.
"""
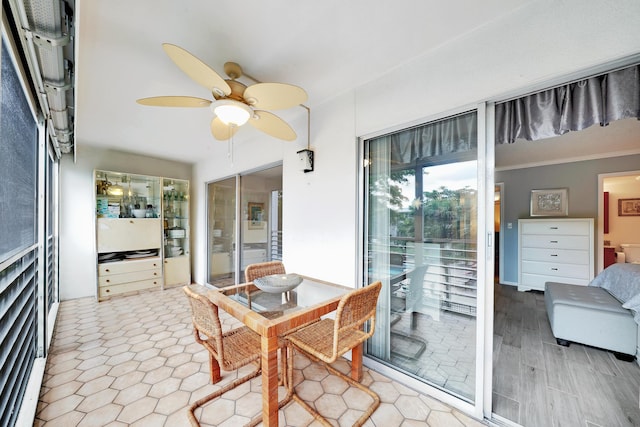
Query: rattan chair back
x=357 y=307
x=261 y=269
x=329 y=339
x=205 y=319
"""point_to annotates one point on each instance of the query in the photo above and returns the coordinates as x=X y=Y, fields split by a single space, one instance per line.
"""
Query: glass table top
x=308 y=293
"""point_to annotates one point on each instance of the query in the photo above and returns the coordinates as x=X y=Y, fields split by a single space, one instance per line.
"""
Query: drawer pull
x=553 y=241
x=155 y=274
x=130 y=222
x=554 y=269
x=554 y=255
x=553 y=228
x=107 y=270
x=155 y=265
x=108 y=280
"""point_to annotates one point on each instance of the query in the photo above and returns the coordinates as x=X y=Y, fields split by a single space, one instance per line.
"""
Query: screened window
x=18 y=236
x=18 y=164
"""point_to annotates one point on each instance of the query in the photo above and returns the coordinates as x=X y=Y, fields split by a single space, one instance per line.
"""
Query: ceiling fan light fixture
x=232 y=112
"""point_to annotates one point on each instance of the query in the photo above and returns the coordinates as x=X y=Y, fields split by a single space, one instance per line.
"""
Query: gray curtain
x=452 y=135
x=575 y=106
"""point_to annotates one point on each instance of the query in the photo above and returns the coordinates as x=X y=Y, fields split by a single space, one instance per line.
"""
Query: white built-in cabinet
x=555 y=250
x=142 y=233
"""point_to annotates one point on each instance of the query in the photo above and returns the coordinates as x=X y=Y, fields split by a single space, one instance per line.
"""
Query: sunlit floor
x=133 y=361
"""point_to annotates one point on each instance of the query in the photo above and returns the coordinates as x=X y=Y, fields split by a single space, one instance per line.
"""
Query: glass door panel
x=221 y=233
x=257 y=209
x=255 y=198
x=421 y=234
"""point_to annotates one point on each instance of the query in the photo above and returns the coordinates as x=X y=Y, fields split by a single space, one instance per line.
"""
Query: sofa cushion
x=585 y=296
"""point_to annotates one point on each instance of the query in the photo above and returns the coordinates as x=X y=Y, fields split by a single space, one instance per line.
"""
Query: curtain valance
x=571 y=107
x=449 y=136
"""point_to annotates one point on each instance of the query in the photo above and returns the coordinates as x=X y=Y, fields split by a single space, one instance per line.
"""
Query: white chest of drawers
x=555 y=250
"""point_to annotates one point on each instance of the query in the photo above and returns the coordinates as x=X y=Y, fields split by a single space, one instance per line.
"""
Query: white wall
x=77 y=210
x=541 y=41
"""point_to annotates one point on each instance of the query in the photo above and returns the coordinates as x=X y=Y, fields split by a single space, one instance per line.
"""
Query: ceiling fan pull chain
x=230 y=143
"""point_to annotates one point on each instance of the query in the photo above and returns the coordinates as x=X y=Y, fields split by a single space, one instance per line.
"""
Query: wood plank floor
x=538 y=383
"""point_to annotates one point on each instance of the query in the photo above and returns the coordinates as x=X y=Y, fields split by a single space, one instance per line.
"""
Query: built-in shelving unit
x=142 y=232
x=175 y=214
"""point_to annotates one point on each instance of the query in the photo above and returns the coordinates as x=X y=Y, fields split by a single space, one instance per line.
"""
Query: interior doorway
x=614 y=230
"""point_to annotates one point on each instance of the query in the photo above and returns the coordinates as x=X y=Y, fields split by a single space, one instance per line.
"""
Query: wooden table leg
x=270 y=381
x=356 y=363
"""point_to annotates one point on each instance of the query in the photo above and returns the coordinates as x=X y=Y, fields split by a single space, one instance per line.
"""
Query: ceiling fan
x=235 y=103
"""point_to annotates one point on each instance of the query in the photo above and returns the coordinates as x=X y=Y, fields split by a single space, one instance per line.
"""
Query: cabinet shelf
x=122 y=195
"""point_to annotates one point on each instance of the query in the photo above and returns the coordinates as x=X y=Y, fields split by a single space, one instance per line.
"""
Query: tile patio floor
x=133 y=361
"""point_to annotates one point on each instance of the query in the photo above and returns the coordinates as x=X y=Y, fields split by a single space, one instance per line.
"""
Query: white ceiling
x=327 y=47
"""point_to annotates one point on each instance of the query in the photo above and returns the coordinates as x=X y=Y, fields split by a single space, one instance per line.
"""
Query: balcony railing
x=448 y=277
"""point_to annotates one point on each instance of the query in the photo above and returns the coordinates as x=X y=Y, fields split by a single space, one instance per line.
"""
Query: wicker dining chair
x=227 y=350
x=261 y=269
x=328 y=339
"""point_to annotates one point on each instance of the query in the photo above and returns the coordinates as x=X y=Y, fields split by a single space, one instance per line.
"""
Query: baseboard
x=504 y=282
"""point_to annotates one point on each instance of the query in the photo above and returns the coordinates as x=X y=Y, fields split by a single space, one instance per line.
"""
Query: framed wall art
x=256 y=215
x=628 y=207
x=550 y=202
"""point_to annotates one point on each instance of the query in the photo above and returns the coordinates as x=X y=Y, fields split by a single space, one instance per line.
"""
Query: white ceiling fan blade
x=174 y=101
x=274 y=96
x=200 y=72
x=273 y=125
x=220 y=131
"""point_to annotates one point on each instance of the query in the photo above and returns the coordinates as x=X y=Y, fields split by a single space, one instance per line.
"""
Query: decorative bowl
x=277 y=283
x=139 y=213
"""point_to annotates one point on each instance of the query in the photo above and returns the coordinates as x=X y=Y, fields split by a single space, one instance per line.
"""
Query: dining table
x=272 y=315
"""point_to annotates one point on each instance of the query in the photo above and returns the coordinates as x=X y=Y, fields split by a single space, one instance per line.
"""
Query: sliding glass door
x=244 y=215
x=261 y=217
x=421 y=236
x=221 y=232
